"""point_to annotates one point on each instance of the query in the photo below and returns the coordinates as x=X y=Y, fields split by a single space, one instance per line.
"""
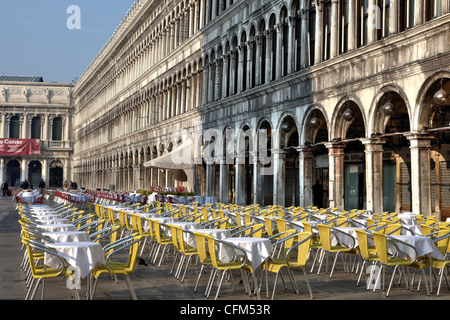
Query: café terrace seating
x=248 y=242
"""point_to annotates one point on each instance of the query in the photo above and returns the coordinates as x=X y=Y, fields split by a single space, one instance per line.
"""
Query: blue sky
x=35 y=39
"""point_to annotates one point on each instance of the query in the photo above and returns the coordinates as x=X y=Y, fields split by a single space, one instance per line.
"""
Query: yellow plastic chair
x=301 y=248
x=328 y=248
x=315 y=242
x=41 y=272
x=442 y=242
x=367 y=250
x=204 y=258
x=162 y=241
x=222 y=268
x=183 y=249
x=381 y=244
x=118 y=267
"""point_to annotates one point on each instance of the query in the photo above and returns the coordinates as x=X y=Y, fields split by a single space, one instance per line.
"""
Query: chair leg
x=360 y=273
x=130 y=286
x=186 y=268
x=220 y=284
x=392 y=280
x=199 y=276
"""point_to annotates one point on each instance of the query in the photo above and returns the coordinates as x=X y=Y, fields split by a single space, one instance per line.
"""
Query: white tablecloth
x=423 y=245
x=257 y=250
x=346 y=237
x=68 y=236
x=82 y=256
x=57 y=227
x=216 y=233
x=54 y=221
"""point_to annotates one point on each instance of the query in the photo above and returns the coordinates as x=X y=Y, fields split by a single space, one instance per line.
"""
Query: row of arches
x=15 y=171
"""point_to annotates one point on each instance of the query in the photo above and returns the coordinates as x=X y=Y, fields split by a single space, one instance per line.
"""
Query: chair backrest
x=342 y=222
x=247 y=218
x=303 y=244
x=201 y=243
x=443 y=244
x=380 y=240
x=255 y=231
x=123 y=219
x=211 y=242
x=205 y=214
x=269 y=226
x=281 y=224
x=393 y=229
x=136 y=223
x=132 y=243
x=287 y=240
x=175 y=233
x=363 y=243
x=324 y=235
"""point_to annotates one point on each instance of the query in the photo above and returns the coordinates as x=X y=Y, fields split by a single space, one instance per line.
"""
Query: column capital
x=419 y=140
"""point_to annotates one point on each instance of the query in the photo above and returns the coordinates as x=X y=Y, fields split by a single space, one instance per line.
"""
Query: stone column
x=279 y=49
x=210 y=179
x=334 y=41
x=3 y=127
x=318 y=49
x=269 y=39
x=291 y=45
x=279 y=177
x=45 y=175
x=306 y=159
x=372 y=22
x=258 y=61
x=23 y=170
x=420 y=146
x=240 y=76
x=232 y=71
x=352 y=34
x=374 y=174
x=393 y=17
x=205 y=84
x=336 y=174
x=257 y=179
x=304 y=58
x=240 y=183
x=250 y=65
x=225 y=76
x=418 y=12
x=2 y=171
x=224 y=182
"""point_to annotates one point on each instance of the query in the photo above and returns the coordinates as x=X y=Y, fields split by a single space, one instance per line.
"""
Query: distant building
x=39 y=112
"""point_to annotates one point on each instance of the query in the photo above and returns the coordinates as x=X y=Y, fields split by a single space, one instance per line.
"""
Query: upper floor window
x=36 y=128
x=57 y=129
x=14 y=127
x=433 y=9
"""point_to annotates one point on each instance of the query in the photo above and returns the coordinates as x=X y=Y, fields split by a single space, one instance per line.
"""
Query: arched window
x=14 y=127
x=57 y=129
x=36 y=128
